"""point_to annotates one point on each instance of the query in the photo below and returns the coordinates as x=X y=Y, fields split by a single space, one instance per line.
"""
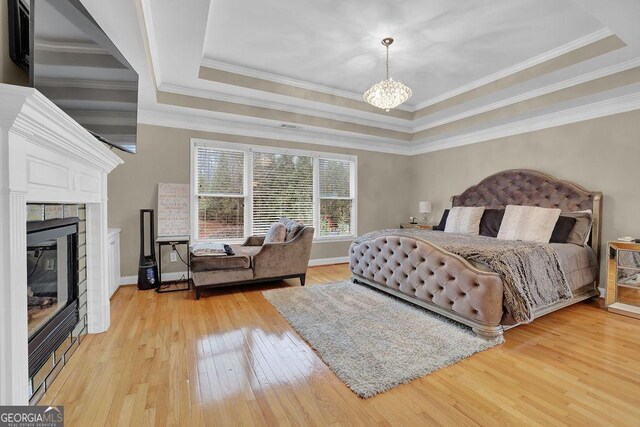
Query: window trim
x=248 y=150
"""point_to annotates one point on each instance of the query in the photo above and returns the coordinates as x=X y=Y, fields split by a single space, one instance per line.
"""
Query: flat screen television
x=74 y=64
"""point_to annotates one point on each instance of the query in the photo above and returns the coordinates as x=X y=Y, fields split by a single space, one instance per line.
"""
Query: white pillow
x=464 y=220
x=528 y=223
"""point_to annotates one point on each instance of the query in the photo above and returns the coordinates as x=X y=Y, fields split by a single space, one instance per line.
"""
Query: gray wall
x=163 y=156
x=601 y=154
x=9 y=72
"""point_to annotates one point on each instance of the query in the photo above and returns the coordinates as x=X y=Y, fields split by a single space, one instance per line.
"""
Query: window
x=336 y=197
x=220 y=194
x=239 y=190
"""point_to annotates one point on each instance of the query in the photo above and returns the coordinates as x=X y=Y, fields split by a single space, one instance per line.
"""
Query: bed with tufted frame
x=448 y=284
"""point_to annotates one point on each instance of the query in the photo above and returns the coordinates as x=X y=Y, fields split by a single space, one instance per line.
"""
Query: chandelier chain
x=387 y=62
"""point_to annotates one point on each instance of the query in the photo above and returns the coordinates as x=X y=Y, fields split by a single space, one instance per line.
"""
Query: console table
x=172 y=285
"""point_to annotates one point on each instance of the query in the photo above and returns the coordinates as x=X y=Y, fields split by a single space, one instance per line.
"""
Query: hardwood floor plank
x=231 y=359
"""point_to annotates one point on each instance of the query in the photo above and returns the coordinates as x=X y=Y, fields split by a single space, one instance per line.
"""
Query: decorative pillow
x=443 y=221
x=528 y=223
x=293 y=227
x=276 y=234
x=464 y=220
x=562 y=230
x=490 y=222
x=582 y=229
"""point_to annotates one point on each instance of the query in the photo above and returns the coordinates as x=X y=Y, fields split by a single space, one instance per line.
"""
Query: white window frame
x=248 y=188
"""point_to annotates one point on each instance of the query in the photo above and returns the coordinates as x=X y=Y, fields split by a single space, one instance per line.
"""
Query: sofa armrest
x=286 y=258
x=254 y=241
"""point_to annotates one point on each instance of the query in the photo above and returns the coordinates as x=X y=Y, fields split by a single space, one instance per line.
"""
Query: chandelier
x=388 y=93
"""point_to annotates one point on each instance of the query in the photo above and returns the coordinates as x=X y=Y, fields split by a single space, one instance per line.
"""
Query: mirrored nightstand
x=623 y=278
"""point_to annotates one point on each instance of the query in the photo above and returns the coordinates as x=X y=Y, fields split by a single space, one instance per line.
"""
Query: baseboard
x=328 y=261
x=132 y=280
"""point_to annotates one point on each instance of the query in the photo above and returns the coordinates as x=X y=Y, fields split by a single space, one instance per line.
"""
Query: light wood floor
x=230 y=359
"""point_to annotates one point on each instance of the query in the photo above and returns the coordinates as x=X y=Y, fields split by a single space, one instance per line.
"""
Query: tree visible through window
x=336 y=198
x=220 y=194
x=242 y=191
x=282 y=186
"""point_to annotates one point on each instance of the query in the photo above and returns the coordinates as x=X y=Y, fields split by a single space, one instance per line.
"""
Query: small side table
x=172 y=285
x=623 y=278
x=417 y=226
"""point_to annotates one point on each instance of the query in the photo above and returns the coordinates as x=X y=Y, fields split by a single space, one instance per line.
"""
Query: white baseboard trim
x=132 y=280
x=328 y=261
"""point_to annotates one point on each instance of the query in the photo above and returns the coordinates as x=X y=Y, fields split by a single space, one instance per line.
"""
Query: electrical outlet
x=173 y=256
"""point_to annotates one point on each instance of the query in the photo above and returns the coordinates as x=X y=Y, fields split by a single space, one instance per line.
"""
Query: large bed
x=442 y=272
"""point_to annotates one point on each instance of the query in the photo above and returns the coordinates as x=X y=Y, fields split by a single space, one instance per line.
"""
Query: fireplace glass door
x=51 y=270
x=47 y=281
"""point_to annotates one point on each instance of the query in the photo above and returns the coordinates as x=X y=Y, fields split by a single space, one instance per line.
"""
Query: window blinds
x=336 y=198
x=220 y=193
x=282 y=186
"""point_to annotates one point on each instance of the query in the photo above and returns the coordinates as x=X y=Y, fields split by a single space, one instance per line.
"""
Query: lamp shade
x=425 y=207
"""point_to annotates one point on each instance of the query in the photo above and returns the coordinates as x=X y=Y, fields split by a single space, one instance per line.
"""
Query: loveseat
x=256 y=261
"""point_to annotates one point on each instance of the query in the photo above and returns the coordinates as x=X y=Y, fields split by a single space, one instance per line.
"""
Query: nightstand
x=417 y=225
x=623 y=279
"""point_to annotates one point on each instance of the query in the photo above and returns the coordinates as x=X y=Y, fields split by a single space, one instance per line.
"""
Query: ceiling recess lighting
x=388 y=93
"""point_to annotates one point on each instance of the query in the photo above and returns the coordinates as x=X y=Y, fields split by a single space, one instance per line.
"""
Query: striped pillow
x=528 y=223
x=464 y=220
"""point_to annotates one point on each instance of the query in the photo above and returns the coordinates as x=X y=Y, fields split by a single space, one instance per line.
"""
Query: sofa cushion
x=293 y=227
x=276 y=234
x=241 y=259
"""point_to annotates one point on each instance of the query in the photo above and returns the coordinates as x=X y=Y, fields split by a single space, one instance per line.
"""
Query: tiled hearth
x=46 y=158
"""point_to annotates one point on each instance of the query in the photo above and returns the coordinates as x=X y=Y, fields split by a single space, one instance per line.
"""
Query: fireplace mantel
x=45 y=157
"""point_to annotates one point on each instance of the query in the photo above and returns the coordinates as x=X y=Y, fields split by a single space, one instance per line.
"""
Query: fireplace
x=47 y=158
x=52 y=286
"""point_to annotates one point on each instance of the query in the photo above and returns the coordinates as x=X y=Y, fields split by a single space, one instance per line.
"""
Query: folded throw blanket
x=530 y=271
x=211 y=249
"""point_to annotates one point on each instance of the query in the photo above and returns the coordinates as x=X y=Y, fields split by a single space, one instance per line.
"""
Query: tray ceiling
x=248 y=67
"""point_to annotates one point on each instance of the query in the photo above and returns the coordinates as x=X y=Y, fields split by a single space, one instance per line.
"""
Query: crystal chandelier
x=388 y=93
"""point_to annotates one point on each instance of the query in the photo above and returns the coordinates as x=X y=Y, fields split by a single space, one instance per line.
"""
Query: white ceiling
x=443 y=47
x=439 y=44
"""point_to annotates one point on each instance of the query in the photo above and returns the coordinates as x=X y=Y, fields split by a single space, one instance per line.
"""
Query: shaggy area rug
x=373 y=341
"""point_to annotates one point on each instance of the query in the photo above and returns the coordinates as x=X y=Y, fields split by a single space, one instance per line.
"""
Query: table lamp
x=425 y=209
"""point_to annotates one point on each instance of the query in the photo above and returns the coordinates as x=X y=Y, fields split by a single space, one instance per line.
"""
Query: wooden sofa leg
x=197 y=294
x=302 y=279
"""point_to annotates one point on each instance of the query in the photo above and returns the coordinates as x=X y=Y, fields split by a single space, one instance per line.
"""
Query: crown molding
x=598 y=108
x=275 y=78
x=601 y=108
x=546 y=56
x=28 y=112
x=184 y=120
x=253 y=102
x=152 y=43
x=574 y=81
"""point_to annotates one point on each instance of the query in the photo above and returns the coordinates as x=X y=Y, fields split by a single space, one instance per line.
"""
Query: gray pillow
x=293 y=227
x=276 y=234
x=582 y=230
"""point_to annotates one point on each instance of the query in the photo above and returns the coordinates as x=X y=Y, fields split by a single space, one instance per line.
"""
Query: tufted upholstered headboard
x=531 y=188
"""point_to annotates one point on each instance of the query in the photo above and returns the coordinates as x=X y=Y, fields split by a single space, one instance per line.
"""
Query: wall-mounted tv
x=74 y=64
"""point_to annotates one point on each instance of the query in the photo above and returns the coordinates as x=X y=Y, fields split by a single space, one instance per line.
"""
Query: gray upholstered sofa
x=256 y=261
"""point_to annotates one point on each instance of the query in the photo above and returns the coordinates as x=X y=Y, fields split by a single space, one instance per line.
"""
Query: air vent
x=288 y=126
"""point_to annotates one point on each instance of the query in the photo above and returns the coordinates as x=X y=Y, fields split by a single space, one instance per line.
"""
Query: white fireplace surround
x=45 y=157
